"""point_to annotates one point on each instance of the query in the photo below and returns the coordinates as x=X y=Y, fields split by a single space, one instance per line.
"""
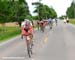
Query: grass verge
x=72 y=21
x=8 y=32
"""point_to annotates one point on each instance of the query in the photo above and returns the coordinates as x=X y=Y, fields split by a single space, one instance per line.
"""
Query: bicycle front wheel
x=29 y=49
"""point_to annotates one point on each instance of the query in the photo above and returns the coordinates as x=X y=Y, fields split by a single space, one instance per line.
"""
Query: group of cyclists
x=27 y=25
x=66 y=20
x=43 y=23
x=27 y=28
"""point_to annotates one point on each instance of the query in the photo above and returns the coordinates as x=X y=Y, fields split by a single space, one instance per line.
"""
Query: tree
x=44 y=11
x=70 y=10
x=13 y=10
x=63 y=16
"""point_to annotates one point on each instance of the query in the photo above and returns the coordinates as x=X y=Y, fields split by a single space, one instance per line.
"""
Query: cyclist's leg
x=42 y=28
x=51 y=25
x=31 y=39
x=38 y=26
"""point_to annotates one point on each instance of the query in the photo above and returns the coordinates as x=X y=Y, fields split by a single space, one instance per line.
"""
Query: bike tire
x=29 y=49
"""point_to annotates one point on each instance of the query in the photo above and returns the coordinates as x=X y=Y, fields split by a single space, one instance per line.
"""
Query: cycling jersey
x=42 y=23
x=26 y=28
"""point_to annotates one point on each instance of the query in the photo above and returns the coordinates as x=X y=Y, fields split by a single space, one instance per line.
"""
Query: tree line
x=71 y=11
x=13 y=10
x=18 y=10
x=44 y=11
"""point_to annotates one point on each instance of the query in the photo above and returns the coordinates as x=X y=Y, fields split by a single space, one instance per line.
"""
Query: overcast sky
x=60 y=6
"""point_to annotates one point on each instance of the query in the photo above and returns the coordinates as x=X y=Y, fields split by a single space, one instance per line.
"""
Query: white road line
x=13 y=57
x=46 y=39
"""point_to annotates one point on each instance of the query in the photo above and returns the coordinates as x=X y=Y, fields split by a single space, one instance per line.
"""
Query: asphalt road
x=55 y=44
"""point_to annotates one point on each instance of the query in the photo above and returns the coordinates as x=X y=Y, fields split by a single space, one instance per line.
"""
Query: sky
x=60 y=6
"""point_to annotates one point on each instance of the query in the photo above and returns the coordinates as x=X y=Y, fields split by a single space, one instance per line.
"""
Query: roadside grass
x=8 y=32
x=72 y=21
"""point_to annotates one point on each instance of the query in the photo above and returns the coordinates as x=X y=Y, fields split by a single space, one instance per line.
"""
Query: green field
x=8 y=32
x=72 y=21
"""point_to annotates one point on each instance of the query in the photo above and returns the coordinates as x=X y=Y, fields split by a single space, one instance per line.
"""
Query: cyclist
x=67 y=20
x=27 y=29
x=64 y=20
x=42 y=25
x=50 y=23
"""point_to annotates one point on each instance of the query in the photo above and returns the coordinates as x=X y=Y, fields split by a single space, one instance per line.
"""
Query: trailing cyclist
x=42 y=25
x=50 y=23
